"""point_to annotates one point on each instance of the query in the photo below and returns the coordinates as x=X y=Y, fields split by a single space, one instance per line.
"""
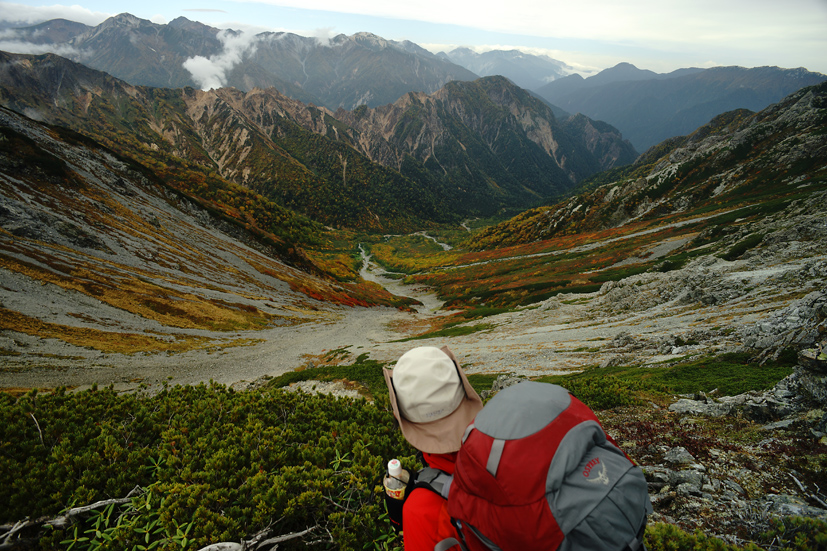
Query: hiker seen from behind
x=533 y=469
x=434 y=403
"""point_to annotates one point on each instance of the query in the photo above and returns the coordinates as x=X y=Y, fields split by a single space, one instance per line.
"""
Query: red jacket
x=425 y=514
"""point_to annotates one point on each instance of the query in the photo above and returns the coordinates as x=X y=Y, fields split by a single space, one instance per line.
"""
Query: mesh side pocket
x=394 y=506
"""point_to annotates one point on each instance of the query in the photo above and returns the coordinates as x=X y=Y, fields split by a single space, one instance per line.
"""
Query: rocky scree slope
x=707 y=475
x=727 y=465
x=96 y=252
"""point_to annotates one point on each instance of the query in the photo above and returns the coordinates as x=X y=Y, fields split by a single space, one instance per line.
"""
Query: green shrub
x=804 y=534
x=482 y=381
x=597 y=392
x=619 y=273
x=730 y=374
x=363 y=371
x=661 y=536
x=737 y=250
x=453 y=331
x=214 y=464
x=787 y=534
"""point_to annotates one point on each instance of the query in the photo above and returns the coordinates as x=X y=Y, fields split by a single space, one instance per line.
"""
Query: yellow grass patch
x=339 y=264
x=419 y=326
x=135 y=295
x=105 y=341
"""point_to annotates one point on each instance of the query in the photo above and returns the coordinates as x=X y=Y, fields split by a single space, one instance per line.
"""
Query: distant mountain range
x=469 y=149
x=349 y=71
x=364 y=69
x=525 y=70
x=648 y=107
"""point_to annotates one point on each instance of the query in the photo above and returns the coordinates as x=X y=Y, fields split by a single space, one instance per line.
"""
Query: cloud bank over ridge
x=211 y=72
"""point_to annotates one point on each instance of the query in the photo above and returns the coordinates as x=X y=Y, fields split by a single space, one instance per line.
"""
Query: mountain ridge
x=262 y=140
x=187 y=53
x=527 y=71
x=366 y=69
x=673 y=177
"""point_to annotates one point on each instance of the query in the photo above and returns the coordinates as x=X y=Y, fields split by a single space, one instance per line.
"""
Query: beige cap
x=432 y=399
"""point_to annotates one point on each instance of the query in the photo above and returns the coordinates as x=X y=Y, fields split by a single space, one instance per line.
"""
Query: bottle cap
x=394 y=467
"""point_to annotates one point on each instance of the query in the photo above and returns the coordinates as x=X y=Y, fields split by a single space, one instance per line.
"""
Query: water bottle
x=396 y=481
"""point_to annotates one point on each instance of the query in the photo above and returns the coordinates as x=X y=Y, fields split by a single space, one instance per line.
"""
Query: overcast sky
x=590 y=35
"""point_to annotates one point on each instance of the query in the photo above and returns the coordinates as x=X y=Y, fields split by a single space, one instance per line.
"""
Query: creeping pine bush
x=598 y=393
x=667 y=537
x=212 y=464
x=788 y=534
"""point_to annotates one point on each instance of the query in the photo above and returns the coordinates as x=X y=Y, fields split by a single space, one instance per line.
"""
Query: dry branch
x=60 y=521
x=814 y=497
x=261 y=541
x=256 y=544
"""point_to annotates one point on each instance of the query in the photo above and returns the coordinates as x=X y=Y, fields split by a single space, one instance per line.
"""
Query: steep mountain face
x=347 y=72
x=525 y=70
x=490 y=140
x=737 y=160
x=607 y=147
x=350 y=71
x=649 y=108
x=469 y=149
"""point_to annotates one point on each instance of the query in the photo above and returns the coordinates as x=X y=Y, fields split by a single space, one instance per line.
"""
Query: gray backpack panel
x=538 y=405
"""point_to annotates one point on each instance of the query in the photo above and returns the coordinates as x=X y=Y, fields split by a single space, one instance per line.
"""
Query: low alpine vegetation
x=196 y=465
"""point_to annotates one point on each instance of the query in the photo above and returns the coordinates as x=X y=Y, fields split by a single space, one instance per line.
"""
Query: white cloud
x=323 y=35
x=24 y=14
x=211 y=72
x=17 y=46
x=35 y=114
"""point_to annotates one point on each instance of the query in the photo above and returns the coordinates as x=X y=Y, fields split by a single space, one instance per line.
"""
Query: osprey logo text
x=602 y=478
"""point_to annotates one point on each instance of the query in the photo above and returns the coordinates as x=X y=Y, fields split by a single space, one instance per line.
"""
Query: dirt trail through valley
x=564 y=333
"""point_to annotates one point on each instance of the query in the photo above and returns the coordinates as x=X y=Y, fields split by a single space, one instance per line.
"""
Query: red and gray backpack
x=537 y=471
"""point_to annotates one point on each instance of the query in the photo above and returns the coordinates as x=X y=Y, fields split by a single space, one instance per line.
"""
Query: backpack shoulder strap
x=435 y=480
x=448 y=543
x=439 y=482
